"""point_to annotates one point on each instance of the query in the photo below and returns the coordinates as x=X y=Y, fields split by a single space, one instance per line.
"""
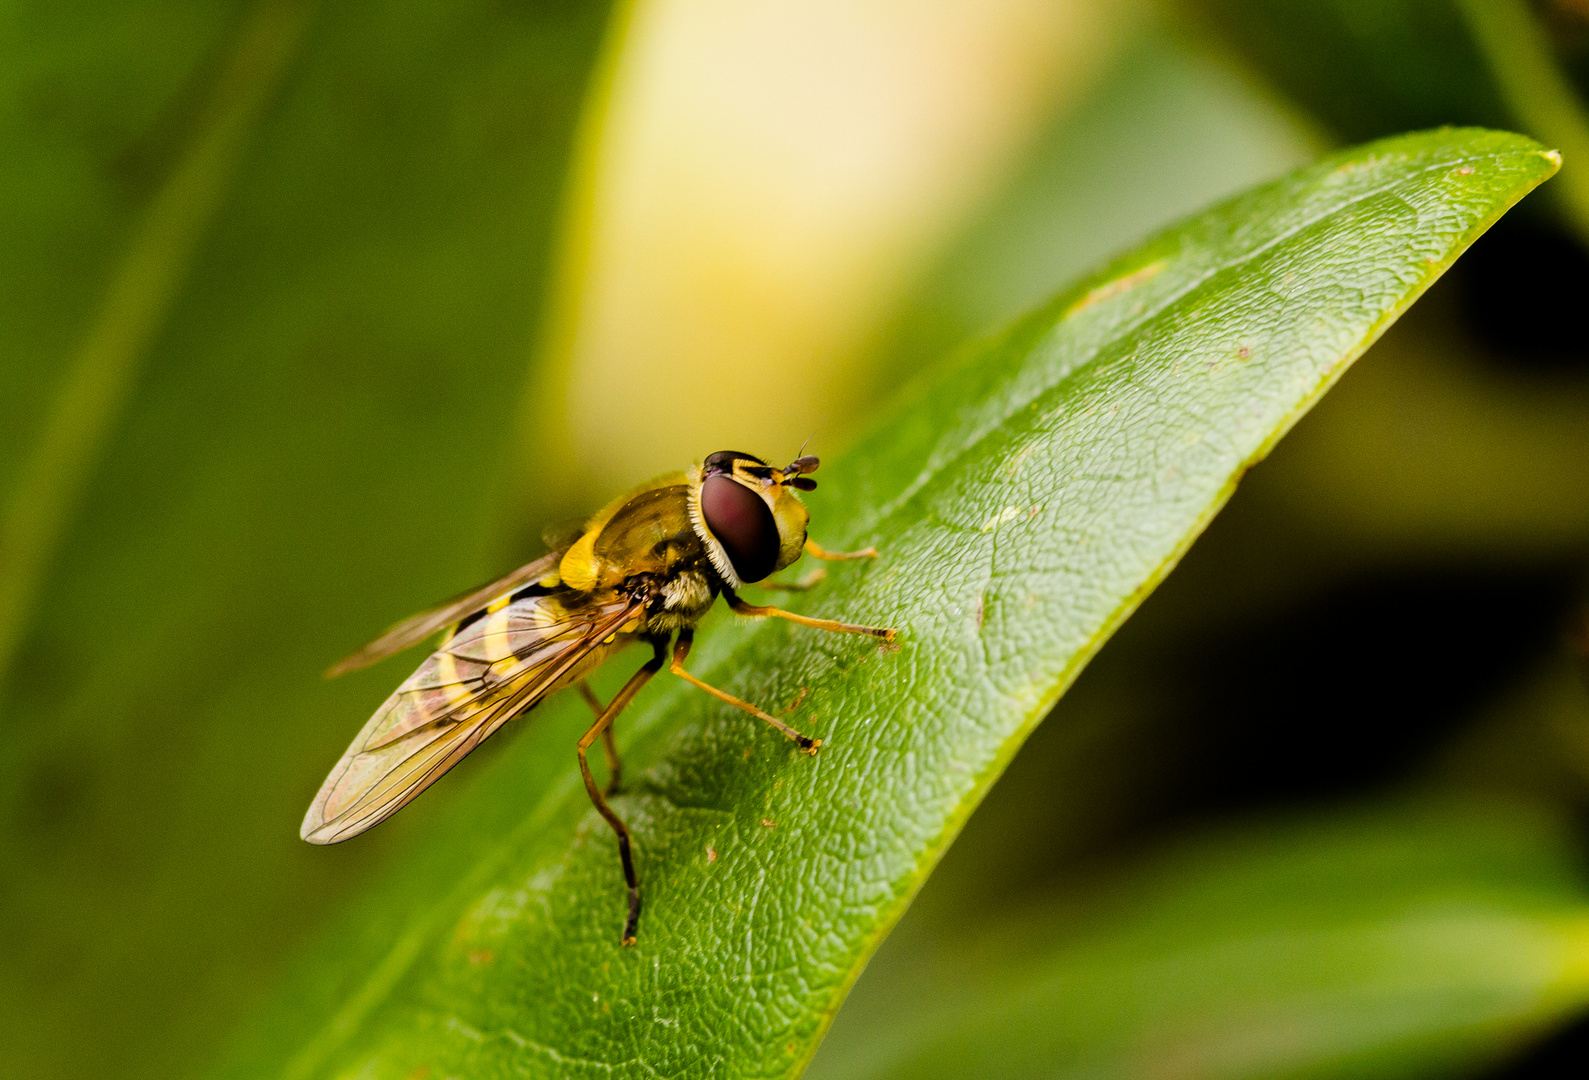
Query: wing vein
x=408 y=744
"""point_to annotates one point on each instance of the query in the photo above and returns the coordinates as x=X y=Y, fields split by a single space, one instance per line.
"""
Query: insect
x=646 y=569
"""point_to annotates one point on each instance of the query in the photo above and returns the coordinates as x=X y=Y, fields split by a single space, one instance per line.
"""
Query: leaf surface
x=1025 y=499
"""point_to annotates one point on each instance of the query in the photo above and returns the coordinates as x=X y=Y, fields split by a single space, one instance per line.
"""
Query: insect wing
x=492 y=670
x=416 y=628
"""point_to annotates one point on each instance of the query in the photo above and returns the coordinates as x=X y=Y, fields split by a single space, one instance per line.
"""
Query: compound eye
x=743 y=524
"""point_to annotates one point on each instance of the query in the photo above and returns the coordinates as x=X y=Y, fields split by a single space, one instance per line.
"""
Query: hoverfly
x=646 y=568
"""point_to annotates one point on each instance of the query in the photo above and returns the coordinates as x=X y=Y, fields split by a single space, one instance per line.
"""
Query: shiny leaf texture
x=1024 y=499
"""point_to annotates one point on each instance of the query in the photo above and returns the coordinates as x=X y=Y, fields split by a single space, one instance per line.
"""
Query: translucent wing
x=491 y=670
x=416 y=628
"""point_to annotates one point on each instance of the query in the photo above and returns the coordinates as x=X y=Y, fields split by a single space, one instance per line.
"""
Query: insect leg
x=682 y=649
x=609 y=748
x=805 y=584
x=622 y=698
x=756 y=611
x=816 y=551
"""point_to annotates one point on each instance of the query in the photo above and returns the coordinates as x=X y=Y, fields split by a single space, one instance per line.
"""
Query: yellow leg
x=805 y=584
x=682 y=650
x=630 y=689
x=609 y=748
x=756 y=611
x=816 y=551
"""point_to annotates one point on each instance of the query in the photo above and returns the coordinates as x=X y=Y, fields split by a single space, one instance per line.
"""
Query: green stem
x=1537 y=91
x=101 y=374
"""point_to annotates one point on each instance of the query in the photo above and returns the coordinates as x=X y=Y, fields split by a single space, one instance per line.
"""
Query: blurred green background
x=313 y=314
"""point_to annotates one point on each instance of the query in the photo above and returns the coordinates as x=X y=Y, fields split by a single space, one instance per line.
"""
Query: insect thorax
x=646 y=542
x=686 y=596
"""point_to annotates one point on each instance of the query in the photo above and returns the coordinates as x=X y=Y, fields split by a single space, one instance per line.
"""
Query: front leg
x=816 y=551
x=805 y=584
x=682 y=649
x=756 y=611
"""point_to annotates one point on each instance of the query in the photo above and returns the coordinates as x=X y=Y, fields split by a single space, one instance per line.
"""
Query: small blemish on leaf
x=711 y=854
x=1022 y=454
x=1118 y=286
x=769 y=824
x=484 y=956
x=1466 y=170
x=1243 y=353
x=1009 y=513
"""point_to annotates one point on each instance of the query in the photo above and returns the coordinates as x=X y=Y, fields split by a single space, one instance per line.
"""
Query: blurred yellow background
x=767 y=182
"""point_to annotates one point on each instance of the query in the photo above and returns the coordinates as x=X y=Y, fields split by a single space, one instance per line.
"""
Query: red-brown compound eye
x=743 y=524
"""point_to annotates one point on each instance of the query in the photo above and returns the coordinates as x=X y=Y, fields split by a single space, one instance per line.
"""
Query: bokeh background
x=311 y=314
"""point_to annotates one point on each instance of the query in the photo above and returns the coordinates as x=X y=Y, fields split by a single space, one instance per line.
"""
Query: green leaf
x=1025 y=500
x=288 y=257
x=1386 y=941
